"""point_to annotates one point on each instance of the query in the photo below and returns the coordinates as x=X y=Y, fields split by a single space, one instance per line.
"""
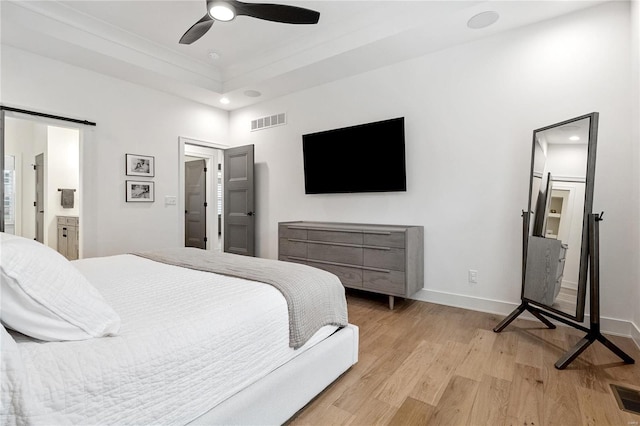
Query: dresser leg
x=391 y=300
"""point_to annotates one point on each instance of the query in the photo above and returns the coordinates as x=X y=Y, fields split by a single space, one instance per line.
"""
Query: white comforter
x=188 y=341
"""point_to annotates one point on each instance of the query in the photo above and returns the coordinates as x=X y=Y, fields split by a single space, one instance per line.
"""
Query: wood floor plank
x=560 y=402
x=373 y=412
x=478 y=358
x=595 y=412
x=491 y=403
x=526 y=396
x=432 y=383
x=356 y=395
x=397 y=387
x=348 y=380
x=456 y=403
x=503 y=356
x=412 y=412
x=529 y=349
x=330 y=415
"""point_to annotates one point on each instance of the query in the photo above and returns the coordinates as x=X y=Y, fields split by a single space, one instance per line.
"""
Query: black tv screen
x=364 y=158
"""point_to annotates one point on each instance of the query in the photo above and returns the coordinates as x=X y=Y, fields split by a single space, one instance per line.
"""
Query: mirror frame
x=588 y=207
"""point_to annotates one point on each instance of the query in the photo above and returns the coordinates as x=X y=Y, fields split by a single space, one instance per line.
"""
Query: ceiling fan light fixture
x=221 y=11
x=227 y=10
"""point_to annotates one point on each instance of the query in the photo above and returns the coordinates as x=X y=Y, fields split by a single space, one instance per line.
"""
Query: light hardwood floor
x=424 y=363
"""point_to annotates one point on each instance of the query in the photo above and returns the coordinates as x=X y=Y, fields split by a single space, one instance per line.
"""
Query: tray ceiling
x=138 y=41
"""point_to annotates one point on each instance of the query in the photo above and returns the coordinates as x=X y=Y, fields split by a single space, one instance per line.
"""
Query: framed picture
x=140 y=191
x=139 y=165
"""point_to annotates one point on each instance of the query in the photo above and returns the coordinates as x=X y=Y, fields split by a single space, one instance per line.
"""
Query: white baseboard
x=616 y=327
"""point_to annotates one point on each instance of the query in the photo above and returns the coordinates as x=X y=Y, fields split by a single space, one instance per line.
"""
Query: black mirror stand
x=593 y=332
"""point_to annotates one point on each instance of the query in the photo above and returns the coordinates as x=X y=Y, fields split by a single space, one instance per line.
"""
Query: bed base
x=276 y=397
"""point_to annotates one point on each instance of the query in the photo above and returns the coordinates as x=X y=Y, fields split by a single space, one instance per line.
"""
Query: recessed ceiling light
x=222 y=12
x=483 y=20
x=214 y=56
x=252 y=93
x=224 y=100
x=574 y=138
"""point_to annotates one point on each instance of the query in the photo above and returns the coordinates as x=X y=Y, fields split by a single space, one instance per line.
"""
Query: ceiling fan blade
x=277 y=12
x=197 y=30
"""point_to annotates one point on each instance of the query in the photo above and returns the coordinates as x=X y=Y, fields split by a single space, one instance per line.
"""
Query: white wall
x=62 y=171
x=130 y=119
x=470 y=111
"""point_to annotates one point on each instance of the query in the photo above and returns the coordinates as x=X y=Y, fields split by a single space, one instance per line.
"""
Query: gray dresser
x=386 y=259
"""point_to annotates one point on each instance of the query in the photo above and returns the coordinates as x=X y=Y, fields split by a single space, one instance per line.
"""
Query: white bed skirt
x=279 y=395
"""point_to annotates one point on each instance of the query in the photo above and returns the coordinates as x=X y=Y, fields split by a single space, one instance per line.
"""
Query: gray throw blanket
x=315 y=298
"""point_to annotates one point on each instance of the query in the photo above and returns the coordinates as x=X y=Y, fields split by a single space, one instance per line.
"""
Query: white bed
x=193 y=346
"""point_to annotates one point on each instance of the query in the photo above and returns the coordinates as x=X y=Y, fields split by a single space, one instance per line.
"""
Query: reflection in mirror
x=554 y=276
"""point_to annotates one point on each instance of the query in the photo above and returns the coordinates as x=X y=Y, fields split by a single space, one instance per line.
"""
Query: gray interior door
x=239 y=213
x=39 y=204
x=195 y=214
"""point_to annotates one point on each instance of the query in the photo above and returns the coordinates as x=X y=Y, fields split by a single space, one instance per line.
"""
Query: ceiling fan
x=227 y=10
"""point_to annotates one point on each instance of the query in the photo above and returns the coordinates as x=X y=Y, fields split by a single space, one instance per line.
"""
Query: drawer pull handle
x=326 y=262
x=331 y=243
x=377 y=248
x=296 y=240
x=368 y=268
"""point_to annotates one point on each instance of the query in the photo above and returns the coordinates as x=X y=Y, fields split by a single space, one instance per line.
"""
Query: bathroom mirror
x=560 y=201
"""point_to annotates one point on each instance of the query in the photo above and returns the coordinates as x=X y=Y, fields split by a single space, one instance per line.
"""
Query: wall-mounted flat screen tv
x=364 y=158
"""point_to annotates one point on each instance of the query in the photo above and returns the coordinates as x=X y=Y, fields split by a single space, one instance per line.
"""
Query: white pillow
x=44 y=296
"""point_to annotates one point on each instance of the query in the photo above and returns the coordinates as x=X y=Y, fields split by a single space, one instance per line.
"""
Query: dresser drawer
x=293 y=248
x=287 y=232
x=335 y=236
x=386 y=239
x=391 y=258
x=350 y=277
x=334 y=253
x=68 y=220
x=391 y=282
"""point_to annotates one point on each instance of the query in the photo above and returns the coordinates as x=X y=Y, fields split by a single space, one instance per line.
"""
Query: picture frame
x=139 y=165
x=140 y=191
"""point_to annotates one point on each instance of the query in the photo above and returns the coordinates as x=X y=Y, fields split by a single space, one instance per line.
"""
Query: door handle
x=250 y=214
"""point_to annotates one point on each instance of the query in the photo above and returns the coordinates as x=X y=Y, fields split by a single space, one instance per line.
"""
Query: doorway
x=231 y=218
x=201 y=193
x=40 y=157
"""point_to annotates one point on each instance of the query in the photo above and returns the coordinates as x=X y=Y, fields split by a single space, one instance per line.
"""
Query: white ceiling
x=138 y=40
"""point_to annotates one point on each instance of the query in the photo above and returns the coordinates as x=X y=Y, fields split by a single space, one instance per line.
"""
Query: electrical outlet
x=473 y=276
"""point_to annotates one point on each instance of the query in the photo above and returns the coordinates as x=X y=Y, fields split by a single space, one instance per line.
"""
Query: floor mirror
x=560 y=258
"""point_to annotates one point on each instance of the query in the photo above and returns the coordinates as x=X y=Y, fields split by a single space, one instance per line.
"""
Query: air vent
x=268 y=121
x=628 y=399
